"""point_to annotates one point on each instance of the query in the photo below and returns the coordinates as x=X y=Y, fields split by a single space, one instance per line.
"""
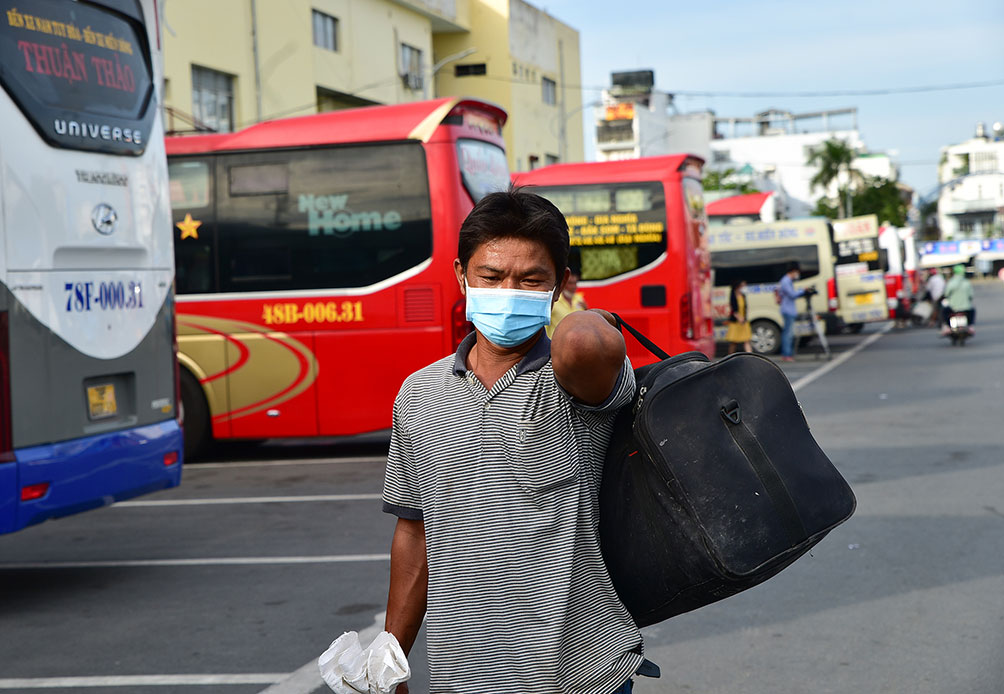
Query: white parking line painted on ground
x=208 y=561
x=830 y=366
x=307 y=678
x=137 y=681
x=247 y=500
x=195 y=467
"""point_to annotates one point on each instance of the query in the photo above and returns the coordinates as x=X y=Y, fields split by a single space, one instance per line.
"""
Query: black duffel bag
x=712 y=483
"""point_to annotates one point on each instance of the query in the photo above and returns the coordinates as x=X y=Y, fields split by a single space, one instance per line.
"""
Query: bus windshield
x=617 y=227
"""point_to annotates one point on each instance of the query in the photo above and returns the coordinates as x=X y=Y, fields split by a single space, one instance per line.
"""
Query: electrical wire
x=884 y=91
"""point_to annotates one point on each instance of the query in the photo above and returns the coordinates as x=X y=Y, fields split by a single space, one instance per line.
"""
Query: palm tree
x=833 y=157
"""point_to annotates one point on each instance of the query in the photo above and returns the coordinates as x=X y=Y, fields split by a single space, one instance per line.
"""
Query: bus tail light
x=686 y=318
x=30 y=492
x=6 y=422
x=460 y=327
x=831 y=294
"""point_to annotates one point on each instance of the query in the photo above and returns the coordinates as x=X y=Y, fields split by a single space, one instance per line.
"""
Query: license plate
x=864 y=298
x=101 y=401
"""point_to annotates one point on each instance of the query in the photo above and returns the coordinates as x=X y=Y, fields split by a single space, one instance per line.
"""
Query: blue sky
x=787 y=46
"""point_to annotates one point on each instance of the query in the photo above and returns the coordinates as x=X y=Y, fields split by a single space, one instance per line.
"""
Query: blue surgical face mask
x=508 y=317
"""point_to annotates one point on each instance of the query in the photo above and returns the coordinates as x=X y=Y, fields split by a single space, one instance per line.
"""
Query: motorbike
x=957 y=328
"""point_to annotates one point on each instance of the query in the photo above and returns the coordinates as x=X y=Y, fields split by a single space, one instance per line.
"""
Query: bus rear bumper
x=89 y=472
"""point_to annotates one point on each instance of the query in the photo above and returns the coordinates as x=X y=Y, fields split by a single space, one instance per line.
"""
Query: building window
x=550 y=91
x=213 y=99
x=411 y=66
x=720 y=156
x=325 y=30
x=470 y=69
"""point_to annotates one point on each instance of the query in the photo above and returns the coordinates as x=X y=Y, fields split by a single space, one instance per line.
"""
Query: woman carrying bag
x=739 y=332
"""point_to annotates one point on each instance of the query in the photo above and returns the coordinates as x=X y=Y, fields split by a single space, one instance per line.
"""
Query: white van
x=760 y=253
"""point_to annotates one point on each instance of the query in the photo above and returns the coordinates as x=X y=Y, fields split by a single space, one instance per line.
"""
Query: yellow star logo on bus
x=189 y=227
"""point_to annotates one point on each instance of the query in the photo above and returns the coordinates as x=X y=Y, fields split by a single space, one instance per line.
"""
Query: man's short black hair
x=515 y=213
x=793 y=265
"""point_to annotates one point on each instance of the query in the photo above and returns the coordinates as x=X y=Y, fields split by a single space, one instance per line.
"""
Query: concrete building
x=768 y=151
x=971 y=174
x=231 y=63
x=775 y=146
x=633 y=120
x=524 y=60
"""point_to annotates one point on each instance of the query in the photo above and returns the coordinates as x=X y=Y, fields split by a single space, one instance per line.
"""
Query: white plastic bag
x=349 y=669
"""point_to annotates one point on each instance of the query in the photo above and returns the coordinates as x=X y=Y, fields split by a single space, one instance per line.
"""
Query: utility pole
x=563 y=131
x=254 y=55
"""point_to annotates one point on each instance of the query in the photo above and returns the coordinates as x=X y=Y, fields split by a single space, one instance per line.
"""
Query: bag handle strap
x=645 y=342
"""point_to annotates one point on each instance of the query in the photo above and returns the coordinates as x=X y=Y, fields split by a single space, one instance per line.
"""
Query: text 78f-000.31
x=107 y=296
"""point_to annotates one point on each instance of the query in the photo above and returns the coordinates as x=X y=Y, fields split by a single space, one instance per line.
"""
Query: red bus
x=639 y=229
x=314 y=262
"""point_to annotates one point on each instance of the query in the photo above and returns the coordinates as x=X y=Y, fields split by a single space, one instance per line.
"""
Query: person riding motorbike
x=958 y=298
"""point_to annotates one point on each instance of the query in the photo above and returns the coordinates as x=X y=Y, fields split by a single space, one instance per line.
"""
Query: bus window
x=189 y=184
x=763 y=265
x=56 y=82
x=194 y=239
x=343 y=217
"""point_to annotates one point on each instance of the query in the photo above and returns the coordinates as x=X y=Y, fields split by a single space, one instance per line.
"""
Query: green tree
x=725 y=180
x=833 y=157
x=879 y=196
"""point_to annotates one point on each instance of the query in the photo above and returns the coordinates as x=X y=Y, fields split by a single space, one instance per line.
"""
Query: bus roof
x=413 y=121
x=735 y=205
x=652 y=168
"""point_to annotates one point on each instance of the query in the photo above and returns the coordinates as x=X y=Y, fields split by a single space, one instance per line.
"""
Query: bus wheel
x=766 y=337
x=855 y=328
x=195 y=415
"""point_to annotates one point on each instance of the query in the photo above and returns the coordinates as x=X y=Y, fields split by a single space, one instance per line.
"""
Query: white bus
x=859 y=293
x=88 y=386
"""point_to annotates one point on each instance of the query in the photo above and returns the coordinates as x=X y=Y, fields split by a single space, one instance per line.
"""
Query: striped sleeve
x=401 y=494
x=620 y=396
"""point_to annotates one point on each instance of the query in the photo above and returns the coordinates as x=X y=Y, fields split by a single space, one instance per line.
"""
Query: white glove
x=348 y=669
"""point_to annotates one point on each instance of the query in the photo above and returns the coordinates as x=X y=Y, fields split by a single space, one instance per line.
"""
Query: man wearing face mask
x=493 y=472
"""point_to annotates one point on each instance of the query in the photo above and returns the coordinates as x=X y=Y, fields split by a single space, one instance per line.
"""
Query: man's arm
x=788 y=288
x=587 y=354
x=409 y=583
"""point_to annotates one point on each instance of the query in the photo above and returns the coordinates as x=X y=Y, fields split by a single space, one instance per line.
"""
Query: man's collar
x=531 y=361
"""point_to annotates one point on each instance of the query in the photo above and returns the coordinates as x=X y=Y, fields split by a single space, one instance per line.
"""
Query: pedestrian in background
x=570 y=300
x=495 y=459
x=739 y=332
x=787 y=294
x=935 y=287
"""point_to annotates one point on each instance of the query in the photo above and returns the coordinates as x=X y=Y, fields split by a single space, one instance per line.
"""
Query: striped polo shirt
x=506 y=481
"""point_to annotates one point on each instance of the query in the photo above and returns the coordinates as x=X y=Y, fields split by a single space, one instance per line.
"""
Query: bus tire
x=195 y=415
x=766 y=337
x=855 y=328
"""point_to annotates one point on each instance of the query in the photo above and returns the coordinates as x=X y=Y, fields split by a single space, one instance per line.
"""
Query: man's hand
x=587 y=353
